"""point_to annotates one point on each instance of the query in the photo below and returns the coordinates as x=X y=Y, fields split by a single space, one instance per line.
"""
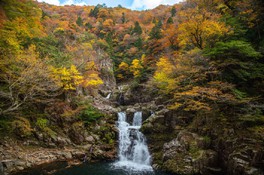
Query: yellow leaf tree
x=163 y=77
x=200 y=28
x=68 y=78
x=136 y=68
x=91 y=76
x=123 y=70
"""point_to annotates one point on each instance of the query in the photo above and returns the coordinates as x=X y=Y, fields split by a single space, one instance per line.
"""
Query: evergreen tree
x=155 y=32
x=173 y=11
x=123 y=18
x=88 y=26
x=94 y=12
x=170 y=20
x=79 y=21
x=139 y=43
x=137 y=29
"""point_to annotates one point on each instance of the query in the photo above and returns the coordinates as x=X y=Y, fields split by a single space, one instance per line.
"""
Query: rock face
x=198 y=145
x=242 y=156
x=189 y=154
x=107 y=74
x=130 y=94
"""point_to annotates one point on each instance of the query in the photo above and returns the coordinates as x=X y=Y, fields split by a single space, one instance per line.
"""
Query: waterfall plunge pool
x=100 y=168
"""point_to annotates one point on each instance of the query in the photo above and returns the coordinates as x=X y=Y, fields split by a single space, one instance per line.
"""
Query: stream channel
x=134 y=156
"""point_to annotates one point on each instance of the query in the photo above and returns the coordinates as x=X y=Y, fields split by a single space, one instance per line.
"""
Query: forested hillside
x=201 y=60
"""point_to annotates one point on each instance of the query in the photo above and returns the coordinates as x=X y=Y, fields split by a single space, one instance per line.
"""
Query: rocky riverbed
x=15 y=157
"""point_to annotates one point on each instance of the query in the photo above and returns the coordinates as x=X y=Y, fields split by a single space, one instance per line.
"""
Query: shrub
x=21 y=127
x=41 y=123
x=90 y=114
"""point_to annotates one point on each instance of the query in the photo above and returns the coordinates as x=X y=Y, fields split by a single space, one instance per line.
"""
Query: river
x=101 y=168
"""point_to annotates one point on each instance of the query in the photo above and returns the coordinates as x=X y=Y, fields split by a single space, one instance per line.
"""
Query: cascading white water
x=133 y=150
x=108 y=96
x=137 y=119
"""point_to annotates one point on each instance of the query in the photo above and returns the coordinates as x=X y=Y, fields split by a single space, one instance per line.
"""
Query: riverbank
x=16 y=156
x=72 y=139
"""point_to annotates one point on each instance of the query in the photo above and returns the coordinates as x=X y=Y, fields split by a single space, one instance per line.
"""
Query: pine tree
x=79 y=21
x=155 y=32
x=123 y=18
x=137 y=29
x=173 y=11
x=170 y=20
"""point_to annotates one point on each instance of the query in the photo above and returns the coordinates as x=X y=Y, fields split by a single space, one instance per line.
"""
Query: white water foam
x=108 y=96
x=133 y=150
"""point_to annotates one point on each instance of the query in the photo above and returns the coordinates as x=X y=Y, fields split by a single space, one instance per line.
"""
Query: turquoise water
x=60 y=168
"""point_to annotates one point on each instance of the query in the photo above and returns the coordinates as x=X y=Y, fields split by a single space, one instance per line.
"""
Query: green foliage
x=52 y=48
x=79 y=21
x=49 y=132
x=139 y=43
x=237 y=60
x=170 y=20
x=155 y=32
x=207 y=140
x=5 y=126
x=137 y=29
x=88 y=25
x=41 y=123
x=94 y=12
x=108 y=138
x=252 y=120
x=239 y=94
x=173 y=11
x=123 y=19
x=239 y=30
x=90 y=114
x=233 y=48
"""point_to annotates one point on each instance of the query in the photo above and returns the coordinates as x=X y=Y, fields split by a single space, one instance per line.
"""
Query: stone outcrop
x=198 y=145
x=190 y=154
x=242 y=155
x=15 y=158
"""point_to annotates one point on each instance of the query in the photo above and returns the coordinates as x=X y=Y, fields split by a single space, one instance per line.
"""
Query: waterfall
x=108 y=96
x=137 y=119
x=133 y=150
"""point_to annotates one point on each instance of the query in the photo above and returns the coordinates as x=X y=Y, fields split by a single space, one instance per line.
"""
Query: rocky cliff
x=185 y=143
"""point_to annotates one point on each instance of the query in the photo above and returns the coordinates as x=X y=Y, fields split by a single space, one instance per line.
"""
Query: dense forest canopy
x=201 y=56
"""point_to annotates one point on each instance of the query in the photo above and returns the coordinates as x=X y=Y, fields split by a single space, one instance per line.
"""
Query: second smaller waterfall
x=108 y=96
x=133 y=150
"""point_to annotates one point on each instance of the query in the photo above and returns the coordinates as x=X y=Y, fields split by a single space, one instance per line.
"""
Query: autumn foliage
x=196 y=53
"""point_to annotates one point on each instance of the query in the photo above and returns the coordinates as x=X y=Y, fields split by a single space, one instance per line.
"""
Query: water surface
x=105 y=168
